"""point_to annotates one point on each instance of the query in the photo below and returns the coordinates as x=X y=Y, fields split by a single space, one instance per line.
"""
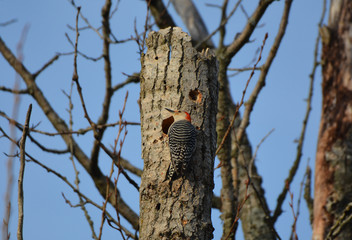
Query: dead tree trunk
x=333 y=174
x=176 y=76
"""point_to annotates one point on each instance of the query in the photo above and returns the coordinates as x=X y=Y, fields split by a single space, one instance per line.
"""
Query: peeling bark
x=176 y=76
x=333 y=174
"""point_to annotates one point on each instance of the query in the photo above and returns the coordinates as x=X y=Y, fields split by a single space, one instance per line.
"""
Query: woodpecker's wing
x=182 y=143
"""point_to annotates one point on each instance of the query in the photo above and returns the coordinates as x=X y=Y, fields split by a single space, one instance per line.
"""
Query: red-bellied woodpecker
x=182 y=142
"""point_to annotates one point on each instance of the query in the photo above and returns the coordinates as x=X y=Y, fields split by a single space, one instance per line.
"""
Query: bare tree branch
x=79 y=52
x=264 y=70
x=15 y=109
x=296 y=163
x=64 y=179
x=243 y=38
x=161 y=15
x=244 y=69
x=241 y=103
x=96 y=30
x=194 y=22
x=124 y=162
x=221 y=27
x=81 y=131
x=134 y=78
x=15 y=91
x=46 y=65
x=4 y=24
x=21 y=174
x=105 y=12
x=60 y=125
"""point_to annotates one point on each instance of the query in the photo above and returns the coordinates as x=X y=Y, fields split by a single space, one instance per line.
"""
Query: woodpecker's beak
x=170 y=110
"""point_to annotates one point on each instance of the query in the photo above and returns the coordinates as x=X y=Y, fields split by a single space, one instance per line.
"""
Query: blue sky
x=280 y=105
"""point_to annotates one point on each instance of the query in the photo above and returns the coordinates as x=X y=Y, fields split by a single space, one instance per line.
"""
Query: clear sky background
x=281 y=105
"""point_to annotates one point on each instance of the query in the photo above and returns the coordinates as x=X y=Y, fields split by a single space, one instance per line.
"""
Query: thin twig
x=304 y=179
x=87 y=199
x=45 y=149
x=106 y=105
x=242 y=99
x=264 y=71
x=46 y=65
x=295 y=165
x=126 y=165
x=15 y=91
x=237 y=44
x=239 y=207
x=213 y=5
x=142 y=46
x=295 y=217
x=259 y=195
x=64 y=179
x=250 y=26
x=250 y=165
x=103 y=118
x=3 y=24
x=15 y=109
x=121 y=127
x=115 y=160
x=79 y=52
x=21 y=174
x=75 y=76
x=103 y=212
x=96 y=30
x=81 y=131
x=77 y=180
x=244 y=69
x=85 y=20
x=61 y=126
x=221 y=26
x=134 y=78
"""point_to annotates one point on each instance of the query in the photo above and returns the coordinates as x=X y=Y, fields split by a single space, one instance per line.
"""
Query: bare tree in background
x=333 y=178
x=174 y=74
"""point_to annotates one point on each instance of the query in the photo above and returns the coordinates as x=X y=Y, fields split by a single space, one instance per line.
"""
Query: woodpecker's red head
x=180 y=115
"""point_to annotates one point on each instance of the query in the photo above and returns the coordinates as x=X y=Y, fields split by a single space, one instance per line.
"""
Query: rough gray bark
x=333 y=166
x=176 y=76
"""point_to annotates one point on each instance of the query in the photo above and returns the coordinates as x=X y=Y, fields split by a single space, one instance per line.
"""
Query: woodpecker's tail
x=170 y=172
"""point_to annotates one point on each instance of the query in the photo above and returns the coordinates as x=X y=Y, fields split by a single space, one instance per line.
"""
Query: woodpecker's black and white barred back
x=182 y=142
